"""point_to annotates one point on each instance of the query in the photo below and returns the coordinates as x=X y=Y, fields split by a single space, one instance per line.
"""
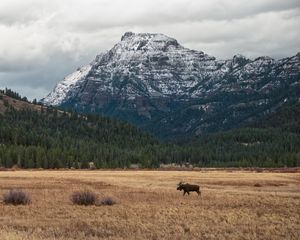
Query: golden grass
x=149 y=207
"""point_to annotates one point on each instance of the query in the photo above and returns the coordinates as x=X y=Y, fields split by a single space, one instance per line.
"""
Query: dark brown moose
x=187 y=188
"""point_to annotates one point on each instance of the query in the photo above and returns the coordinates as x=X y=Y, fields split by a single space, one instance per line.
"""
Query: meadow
x=234 y=205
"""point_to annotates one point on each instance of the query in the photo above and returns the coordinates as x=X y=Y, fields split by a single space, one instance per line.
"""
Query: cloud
x=42 y=41
x=103 y=13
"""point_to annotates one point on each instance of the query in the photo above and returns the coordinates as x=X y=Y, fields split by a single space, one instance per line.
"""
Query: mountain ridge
x=151 y=80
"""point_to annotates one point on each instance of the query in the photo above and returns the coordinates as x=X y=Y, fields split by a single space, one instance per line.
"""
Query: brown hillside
x=6 y=101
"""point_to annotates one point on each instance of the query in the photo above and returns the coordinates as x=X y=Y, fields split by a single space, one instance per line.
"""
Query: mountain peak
x=146 y=41
x=239 y=60
x=239 y=56
x=263 y=58
x=126 y=35
x=148 y=36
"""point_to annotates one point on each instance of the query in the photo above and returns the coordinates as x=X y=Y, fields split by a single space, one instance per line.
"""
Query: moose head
x=180 y=186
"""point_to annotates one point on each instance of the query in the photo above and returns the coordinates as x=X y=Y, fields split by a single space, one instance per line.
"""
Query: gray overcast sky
x=41 y=41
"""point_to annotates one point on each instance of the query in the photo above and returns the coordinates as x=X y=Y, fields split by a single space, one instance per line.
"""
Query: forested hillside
x=274 y=140
x=261 y=147
x=50 y=138
x=35 y=136
x=287 y=118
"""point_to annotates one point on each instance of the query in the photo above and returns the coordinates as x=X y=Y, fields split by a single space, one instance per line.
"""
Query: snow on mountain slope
x=60 y=92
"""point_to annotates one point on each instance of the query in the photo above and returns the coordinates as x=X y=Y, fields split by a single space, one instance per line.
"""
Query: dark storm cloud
x=42 y=41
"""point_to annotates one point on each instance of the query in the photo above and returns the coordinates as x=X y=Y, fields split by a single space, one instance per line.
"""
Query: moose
x=187 y=188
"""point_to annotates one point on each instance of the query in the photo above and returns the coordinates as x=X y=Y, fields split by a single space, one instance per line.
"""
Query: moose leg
x=199 y=193
x=184 y=193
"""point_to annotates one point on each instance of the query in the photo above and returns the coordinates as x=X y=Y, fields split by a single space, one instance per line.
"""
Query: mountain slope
x=287 y=118
x=271 y=140
x=154 y=82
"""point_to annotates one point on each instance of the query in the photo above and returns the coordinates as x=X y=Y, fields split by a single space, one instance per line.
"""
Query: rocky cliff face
x=153 y=81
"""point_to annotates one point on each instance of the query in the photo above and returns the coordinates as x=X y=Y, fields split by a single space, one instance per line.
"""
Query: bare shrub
x=85 y=197
x=108 y=201
x=16 y=197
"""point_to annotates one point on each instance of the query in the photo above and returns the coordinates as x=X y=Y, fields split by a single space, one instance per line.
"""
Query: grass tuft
x=84 y=198
x=108 y=201
x=16 y=197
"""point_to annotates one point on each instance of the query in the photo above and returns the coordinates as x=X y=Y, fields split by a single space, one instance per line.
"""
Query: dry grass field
x=149 y=207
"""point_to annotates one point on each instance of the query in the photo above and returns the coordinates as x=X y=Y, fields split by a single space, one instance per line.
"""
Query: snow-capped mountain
x=153 y=81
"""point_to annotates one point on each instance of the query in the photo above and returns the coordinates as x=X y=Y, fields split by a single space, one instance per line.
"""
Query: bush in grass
x=108 y=201
x=16 y=197
x=84 y=198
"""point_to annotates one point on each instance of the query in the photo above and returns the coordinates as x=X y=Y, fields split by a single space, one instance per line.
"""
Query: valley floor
x=234 y=205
